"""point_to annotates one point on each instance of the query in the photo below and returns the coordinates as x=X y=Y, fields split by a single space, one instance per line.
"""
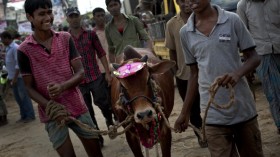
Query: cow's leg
x=134 y=144
x=165 y=141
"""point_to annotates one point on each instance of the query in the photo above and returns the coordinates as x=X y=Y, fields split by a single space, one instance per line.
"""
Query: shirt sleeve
x=245 y=39
x=169 y=36
x=111 y=47
x=97 y=45
x=23 y=63
x=143 y=35
x=189 y=57
x=15 y=57
x=241 y=8
x=72 y=50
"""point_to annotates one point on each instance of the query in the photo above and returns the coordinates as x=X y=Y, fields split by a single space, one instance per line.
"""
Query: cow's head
x=134 y=76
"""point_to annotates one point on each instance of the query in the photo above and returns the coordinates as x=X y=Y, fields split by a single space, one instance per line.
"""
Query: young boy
x=51 y=68
x=95 y=84
x=172 y=42
x=211 y=40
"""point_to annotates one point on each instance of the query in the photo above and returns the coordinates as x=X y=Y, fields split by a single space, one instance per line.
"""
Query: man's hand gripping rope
x=57 y=112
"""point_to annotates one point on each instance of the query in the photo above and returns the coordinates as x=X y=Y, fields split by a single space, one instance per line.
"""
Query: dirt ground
x=31 y=140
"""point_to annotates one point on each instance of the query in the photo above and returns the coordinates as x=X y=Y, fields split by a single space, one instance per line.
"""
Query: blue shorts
x=58 y=134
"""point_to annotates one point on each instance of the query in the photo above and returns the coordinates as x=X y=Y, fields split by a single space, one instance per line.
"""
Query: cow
x=133 y=94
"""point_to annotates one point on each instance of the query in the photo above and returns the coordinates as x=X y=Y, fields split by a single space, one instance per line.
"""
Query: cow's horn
x=116 y=66
x=144 y=58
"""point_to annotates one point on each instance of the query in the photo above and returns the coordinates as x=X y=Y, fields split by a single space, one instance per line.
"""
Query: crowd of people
x=71 y=68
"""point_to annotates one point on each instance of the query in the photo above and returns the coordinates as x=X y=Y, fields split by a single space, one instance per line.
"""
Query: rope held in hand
x=55 y=110
x=212 y=91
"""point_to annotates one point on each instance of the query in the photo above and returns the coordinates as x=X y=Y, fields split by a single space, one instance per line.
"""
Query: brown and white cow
x=138 y=97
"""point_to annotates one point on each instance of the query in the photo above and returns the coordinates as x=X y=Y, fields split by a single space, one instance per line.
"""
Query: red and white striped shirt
x=53 y=67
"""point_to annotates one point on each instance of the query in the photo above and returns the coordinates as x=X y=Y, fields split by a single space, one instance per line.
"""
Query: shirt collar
x=112 y=20
x=33 y=41
x=222 y=18
x=11 y=45
x=178 y=17
x=82 y=30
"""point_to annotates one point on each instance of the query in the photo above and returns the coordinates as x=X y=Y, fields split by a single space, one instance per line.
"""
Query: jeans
x=23 y=100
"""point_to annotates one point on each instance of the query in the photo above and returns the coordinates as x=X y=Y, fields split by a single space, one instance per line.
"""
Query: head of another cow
x=135 y=75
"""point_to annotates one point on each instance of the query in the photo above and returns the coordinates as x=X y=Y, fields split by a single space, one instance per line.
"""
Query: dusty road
x=31 y=140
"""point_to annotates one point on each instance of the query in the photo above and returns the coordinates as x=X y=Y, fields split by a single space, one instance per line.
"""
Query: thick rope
x=212 y=91
x=158 y=106
x=55 y=110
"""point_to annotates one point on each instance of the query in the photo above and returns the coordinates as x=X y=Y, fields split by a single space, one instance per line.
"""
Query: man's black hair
x=108 y=1
x=97 y=10
x=6 y=35
x=31 y=5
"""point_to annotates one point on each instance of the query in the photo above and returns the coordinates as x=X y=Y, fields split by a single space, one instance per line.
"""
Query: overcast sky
x=89 y=5
x=84 y=5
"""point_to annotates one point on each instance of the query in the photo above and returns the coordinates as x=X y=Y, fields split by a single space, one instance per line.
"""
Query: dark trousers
x=195 y=117
x=98 y=90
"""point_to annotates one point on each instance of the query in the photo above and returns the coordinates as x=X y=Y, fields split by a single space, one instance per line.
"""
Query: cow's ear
x=162 y=67
x=144 y=58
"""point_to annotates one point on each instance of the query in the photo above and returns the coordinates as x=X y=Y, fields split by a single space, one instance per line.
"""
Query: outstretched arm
x=107 y=70
x=182 y=121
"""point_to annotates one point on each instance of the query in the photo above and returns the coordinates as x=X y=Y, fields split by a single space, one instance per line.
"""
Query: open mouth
x=149 y=132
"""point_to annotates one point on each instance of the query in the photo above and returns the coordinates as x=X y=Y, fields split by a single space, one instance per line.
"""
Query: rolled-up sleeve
x=143 y=35
x=111 y=47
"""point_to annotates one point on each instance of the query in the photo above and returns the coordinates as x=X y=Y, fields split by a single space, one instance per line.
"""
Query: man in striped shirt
x=51 y=68
x=89 y=47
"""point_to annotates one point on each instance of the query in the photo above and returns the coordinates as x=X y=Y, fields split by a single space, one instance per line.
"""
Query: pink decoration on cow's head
x=128 y=69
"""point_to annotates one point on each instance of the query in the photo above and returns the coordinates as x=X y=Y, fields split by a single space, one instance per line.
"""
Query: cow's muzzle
x=144 y=116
